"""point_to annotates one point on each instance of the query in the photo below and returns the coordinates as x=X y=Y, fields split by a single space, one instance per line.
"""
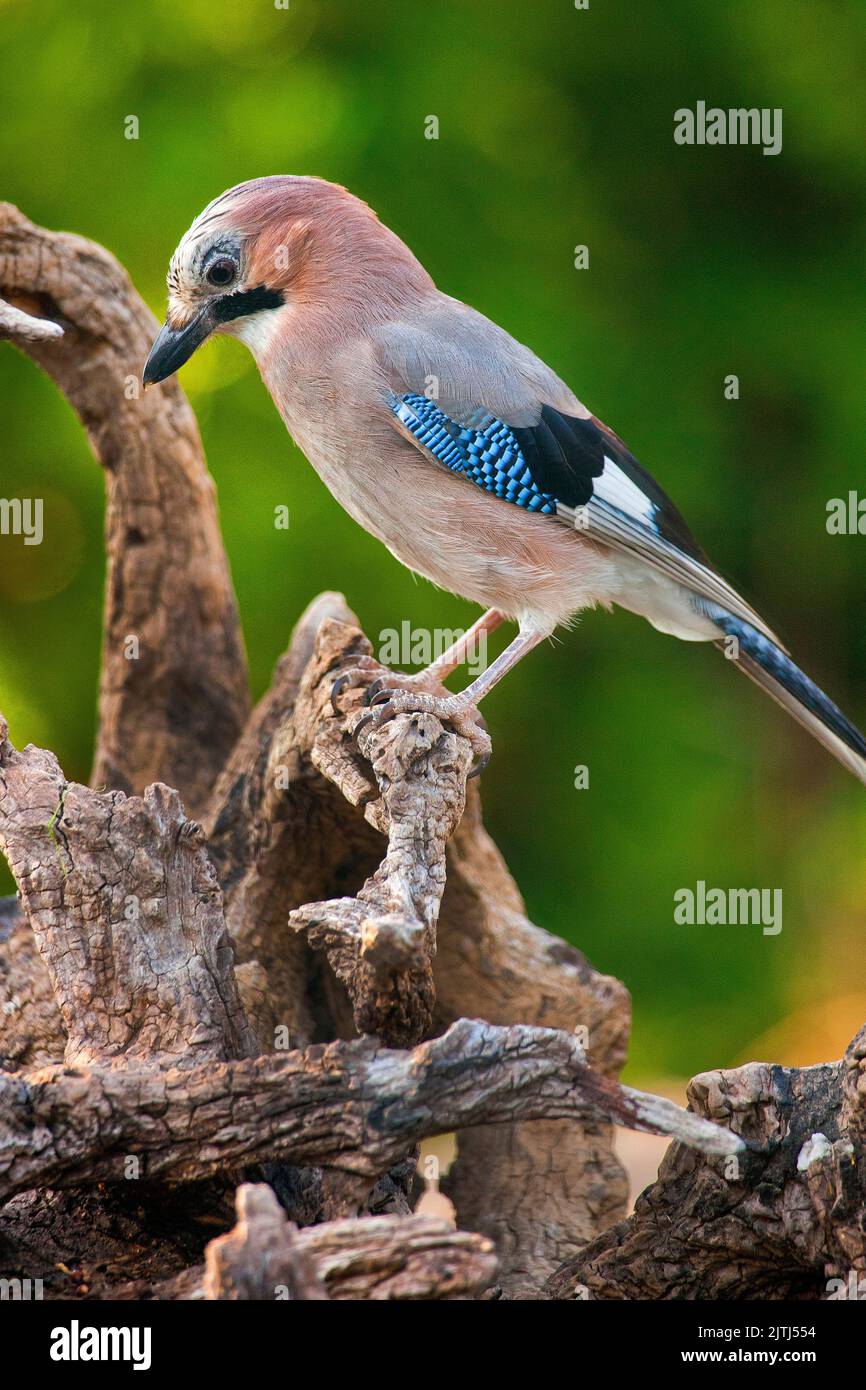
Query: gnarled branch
x=173 y=693
x=782 y=1220
x=352 y=1106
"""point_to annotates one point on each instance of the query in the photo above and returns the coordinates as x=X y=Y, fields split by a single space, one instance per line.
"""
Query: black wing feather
x=566 y=454
x=561 y=459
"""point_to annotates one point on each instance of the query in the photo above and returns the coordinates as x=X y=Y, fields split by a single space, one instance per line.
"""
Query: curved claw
x=352 y=659
x=373 y=689
x=381 y=696
x=354 y=666
x=384 y=709
x=477 y=768
x=362 y=722
x=337 y=689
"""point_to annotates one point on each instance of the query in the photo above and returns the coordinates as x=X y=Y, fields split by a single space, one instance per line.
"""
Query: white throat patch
x=257 y=330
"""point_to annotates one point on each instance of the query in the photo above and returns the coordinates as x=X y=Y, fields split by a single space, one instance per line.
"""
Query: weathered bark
x=381 y=943
x=352 y=1106
x=19 y=326
x=409 y=1257
x=173 y=693
x=382 y=1257
x=780 y=1221
x=31 y=1031
x=97 y=1242
x=261 y=1257
x=378 y=1258
x=491 y=960
x=76 y=853
x=127 y=915
x=281 y=835
x=279 y=849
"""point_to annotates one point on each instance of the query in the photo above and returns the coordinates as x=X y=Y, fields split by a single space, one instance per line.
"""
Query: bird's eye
x=221 y=273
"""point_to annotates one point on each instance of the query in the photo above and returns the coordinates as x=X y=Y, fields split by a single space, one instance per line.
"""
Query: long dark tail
x=768 y=666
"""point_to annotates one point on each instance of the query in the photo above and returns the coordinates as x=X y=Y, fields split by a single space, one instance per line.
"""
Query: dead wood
x=173 y=692
x=394 y=1258
x=261 y=1257
x=382 y=1257
x=126 y=911
x=351 y=1106
x=783 y=1220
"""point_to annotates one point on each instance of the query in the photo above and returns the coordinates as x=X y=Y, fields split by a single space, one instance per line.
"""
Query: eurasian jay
x=454 y=445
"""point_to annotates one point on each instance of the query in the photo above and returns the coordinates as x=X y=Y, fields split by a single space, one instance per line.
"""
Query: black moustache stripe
x=236 y=306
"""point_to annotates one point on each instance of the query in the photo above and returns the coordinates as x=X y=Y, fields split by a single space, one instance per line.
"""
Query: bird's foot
x=393 y=681
x=356 y=669
x=462 y=716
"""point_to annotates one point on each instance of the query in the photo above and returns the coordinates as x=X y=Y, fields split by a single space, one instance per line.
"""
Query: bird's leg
x=439 y=670
x=527 y=638
x=456 y=655
x=430 y=679
x=458 y=710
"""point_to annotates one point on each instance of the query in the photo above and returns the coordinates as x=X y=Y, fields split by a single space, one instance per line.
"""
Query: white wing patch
x=618 y=490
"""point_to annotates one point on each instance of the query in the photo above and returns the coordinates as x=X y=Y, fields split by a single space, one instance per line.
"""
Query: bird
x=455 y=446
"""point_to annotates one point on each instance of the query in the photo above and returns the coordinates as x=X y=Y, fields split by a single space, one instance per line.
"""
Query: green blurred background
x=556 y=129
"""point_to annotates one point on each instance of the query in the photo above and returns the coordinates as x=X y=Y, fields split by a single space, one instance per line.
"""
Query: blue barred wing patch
x=560 y=464
x=484 y=449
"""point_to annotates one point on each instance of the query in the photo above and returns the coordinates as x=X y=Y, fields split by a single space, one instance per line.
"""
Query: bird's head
x=270 y=253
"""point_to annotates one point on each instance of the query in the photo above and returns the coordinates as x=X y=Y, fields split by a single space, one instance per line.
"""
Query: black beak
x=174 y=346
